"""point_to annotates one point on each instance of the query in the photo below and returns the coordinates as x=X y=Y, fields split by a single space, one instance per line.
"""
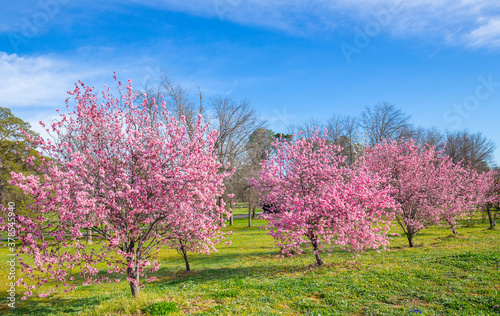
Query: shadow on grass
x=232 y=274
x=54 y=305
x=259 y=264
x=227 y=274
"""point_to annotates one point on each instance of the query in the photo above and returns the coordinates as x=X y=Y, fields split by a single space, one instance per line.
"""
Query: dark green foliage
x=14 y=149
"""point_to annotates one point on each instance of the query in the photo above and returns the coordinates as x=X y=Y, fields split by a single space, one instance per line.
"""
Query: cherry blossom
x=318 y=200
x=133 y=181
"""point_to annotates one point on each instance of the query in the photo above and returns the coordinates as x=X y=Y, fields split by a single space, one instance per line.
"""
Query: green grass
x=161 y=308
x=242 y=209
x=442 y=275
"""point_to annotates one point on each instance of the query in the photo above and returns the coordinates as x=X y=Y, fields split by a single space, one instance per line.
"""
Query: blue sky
x=437 y=60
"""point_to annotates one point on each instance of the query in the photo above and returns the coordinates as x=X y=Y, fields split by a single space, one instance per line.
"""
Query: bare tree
x=336 y=128
x=385 y=121
x=343 y=131
x=234 y=122
x=430 y=136
x=471 y=148
x=178 y=100
x=309 y=127
x=258 y=147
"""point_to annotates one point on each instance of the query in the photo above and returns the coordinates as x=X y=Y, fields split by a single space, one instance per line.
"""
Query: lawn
x=242 y=209
x=443 y=275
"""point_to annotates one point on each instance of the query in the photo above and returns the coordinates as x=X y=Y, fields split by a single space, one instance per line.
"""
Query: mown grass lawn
x=242 y=209
x=443 y=275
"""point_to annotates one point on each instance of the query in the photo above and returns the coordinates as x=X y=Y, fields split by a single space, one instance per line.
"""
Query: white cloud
x=37 y=85
x=293 y=16
x=455 y=22
x=38 y=81
x=486 y=35
x=462 y=22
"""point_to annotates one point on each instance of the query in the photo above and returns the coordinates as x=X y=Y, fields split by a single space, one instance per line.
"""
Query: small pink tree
x=464 y=193
x=491 y=201
x=133 y=181
x=318 y=200
x=428 y=186
x=194 y=232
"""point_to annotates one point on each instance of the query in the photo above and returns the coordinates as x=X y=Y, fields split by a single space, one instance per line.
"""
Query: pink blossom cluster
x=428 y=187
x=320 y=202
x=316 y=200
x=134 y=181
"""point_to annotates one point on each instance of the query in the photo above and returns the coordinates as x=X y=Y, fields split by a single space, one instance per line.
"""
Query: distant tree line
x=386 y=121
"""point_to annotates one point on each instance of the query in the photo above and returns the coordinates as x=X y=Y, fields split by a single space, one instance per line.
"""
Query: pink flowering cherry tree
x=491 y=205
x=465 y=192
x=136 y=183
x=195 y=231
x=428 y=186
x=318 y=201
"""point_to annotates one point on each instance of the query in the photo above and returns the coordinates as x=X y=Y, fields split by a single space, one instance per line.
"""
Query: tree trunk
x=253 y=212
x=89 y=236
x=249 y=215
x=223 y=216
x=184 y=255
x=231 y=219
x=319 y=261
x=134 y=274
x=452 y=227
x=134 y=289
x=314 y=242
x=492 y=218
x=410 y=238
x=454 y=231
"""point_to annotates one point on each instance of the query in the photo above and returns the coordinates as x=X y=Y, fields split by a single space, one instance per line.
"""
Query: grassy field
x=242 y=209
x=443 y=275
